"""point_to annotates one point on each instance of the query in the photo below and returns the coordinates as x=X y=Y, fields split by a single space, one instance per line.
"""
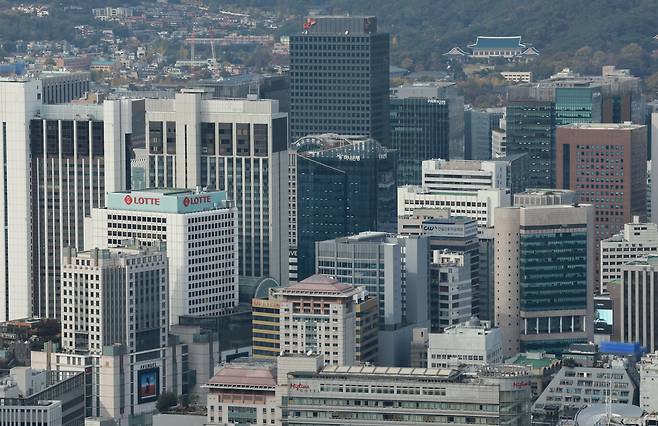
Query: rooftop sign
x=165 y=202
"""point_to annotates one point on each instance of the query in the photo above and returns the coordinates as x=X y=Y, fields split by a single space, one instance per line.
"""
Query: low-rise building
x=472 y=343
x=517 y=76
x=542 y=368
x=649 y=383
x=44 y=397
x=243 y=393
x=635 y=240
x=313 y=394
x=302 y=390
x=610 y=380
x=418 y=348
x=545 y=197
x=479 y=205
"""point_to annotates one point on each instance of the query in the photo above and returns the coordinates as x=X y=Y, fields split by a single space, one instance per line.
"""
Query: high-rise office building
x=200 y=232
x=635 y=240
x=323 y=316
x=458 y=234
x=450 y=289
x=544 y=276
x=339 y=186
x=392 y=269
x=426 y=122
x=499 y=138
x=478 y=127
x=487 y=255
x=237 y=146
x=654 y=166
x=606 y=165
x=534 y=110
x=339 y=78
x=117 y=295
x=59 y=161
x=634 y=301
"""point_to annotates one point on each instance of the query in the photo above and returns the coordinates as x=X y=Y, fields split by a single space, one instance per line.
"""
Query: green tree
x=165 y=401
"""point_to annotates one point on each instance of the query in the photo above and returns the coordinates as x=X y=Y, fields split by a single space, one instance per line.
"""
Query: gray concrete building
x=395 y=271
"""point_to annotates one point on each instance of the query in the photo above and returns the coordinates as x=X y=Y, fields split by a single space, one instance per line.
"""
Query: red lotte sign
x=129 y=199
x=196 y=200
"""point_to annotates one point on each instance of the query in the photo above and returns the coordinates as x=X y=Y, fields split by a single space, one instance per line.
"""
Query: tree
x=165 y=401
x=185 y=400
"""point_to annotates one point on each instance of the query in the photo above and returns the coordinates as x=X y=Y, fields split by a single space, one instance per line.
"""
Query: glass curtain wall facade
x=553 y=277
x=531 y=129
x=341 y=190
x=420 y=130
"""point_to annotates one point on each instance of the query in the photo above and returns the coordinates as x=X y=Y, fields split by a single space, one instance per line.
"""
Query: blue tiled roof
x=497 y=43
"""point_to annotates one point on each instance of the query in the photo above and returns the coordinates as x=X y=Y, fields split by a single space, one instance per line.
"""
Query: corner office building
x=58 y=161
x=339 y=78
x=199 y=229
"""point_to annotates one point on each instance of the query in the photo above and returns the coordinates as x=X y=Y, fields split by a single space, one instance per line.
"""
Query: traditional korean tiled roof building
x=497 y=47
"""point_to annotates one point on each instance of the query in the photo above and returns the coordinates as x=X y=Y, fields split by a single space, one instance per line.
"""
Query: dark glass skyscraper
x=338 y=187
x=339 y=79
x=427 y=122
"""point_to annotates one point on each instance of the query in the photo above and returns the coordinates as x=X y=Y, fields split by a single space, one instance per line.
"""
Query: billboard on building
x=148 y=385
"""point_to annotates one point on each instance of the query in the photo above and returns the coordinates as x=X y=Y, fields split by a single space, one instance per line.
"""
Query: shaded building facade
x=426 y=123
x=339 y=78
x=338 y=186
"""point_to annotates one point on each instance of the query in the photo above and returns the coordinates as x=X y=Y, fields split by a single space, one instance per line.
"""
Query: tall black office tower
x=339 y=78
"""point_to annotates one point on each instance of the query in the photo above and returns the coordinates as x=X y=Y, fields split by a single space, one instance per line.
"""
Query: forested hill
x=422 y=30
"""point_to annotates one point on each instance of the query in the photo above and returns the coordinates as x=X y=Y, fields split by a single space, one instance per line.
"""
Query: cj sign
x=129 y=200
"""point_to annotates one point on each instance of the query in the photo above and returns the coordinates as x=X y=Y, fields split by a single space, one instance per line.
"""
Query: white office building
x=199 y=230
x=634 y=241
x=649 y=382
x=479 y=205
x=117 y=295
x=463 y=175
x=470 y=343
x=59 y=161
x=237 y=146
